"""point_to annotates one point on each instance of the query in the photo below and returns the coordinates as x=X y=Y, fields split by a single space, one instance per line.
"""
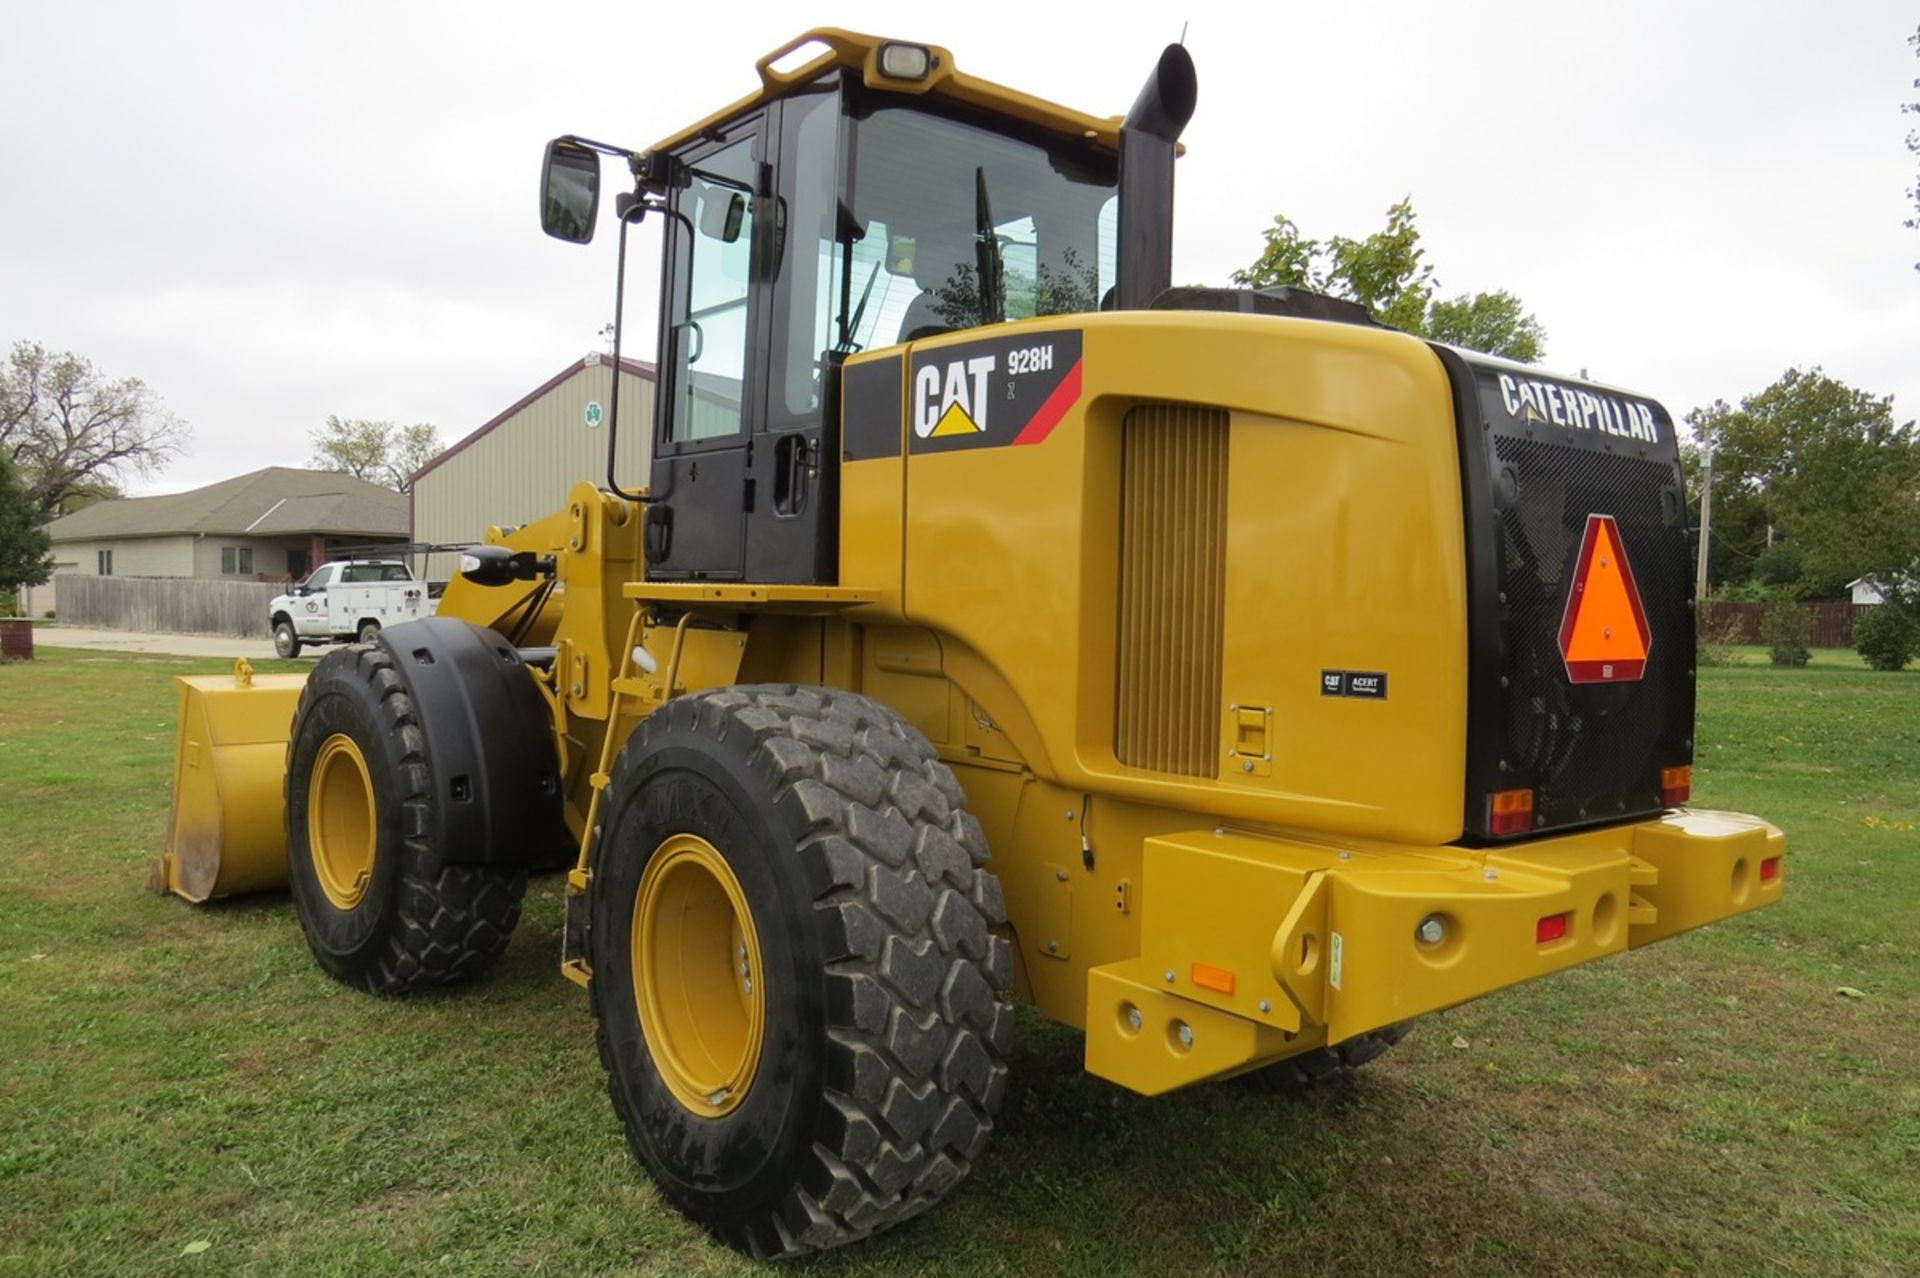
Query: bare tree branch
x=73 y=433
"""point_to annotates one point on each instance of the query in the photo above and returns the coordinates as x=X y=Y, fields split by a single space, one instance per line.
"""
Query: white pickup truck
x=348 y=600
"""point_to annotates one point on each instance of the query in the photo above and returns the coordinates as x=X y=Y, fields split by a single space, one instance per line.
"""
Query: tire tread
x=1324 y=1064
x=453 y=922
x=916 y=982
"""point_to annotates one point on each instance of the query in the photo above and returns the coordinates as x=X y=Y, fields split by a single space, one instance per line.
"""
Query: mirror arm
x=632 y=213
x=603 y=148
x=629 y=212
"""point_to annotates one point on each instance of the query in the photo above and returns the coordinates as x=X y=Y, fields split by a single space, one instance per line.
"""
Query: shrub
x=1746 y=592
x=1778 y=564
x=1787 y=629
x=1714 y=639
x=1887 y=637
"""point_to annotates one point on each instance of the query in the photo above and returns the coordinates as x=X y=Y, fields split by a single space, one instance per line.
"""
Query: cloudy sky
x=274 y=212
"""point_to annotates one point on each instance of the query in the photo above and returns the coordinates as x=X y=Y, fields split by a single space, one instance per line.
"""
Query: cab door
x=310 y=612
x=710 y=390
x=794 y=466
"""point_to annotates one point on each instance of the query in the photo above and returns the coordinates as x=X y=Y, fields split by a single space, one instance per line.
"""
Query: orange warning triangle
x=1603 y=632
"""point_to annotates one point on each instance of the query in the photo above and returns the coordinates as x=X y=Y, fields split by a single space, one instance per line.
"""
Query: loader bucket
x=227 y=835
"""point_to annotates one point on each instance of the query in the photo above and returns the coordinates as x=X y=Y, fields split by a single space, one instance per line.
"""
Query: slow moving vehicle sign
x=1603 y=633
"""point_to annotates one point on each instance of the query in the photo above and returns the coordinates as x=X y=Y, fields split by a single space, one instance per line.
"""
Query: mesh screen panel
x=1589 y=751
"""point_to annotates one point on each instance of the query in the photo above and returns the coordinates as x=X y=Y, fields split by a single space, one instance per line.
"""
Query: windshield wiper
x=993 y=303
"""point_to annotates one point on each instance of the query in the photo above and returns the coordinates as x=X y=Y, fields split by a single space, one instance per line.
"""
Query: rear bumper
x=1254 y=948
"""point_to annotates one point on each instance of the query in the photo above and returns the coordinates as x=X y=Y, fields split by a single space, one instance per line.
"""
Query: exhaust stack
x=1147 y=138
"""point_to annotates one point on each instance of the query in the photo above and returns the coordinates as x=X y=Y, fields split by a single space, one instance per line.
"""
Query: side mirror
x=722 y=219
x=301 y=590
x=569 y=191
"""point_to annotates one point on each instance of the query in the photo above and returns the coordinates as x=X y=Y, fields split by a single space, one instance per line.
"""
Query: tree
x=1493 y=322
x=1825 y=464
x=25 y=548
x=73 y=433
x=1387 y=273
x=1740 y=523
x=378 y=452
x=1913 y=141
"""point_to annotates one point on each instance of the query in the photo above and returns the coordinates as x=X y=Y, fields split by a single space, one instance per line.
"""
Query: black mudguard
x=489 y=739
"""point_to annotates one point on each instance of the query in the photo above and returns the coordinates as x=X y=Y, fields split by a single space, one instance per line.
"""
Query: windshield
x=953 y=226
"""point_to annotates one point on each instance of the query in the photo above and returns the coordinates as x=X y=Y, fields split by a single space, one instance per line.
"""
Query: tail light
x=1551 y=928
x=1676 y=786
x=1512 y=811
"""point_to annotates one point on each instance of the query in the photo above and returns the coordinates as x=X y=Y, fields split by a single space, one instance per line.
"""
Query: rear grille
x=1173 y=568
x=1590 y=751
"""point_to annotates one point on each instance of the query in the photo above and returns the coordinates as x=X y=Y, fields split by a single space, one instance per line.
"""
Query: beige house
x=520 y=465
x=276 y=524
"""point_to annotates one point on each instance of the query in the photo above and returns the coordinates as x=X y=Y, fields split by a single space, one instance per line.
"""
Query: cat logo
x=953 y=404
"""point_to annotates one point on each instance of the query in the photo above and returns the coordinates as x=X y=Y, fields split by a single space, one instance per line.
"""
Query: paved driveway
x=174 y=645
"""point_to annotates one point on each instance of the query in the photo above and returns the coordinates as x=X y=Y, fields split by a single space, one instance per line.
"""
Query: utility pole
x=1706 y=529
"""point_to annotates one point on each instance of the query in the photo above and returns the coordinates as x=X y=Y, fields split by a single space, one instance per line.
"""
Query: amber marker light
x=1512 y=811
x=1209 y=977
x=1676 y=786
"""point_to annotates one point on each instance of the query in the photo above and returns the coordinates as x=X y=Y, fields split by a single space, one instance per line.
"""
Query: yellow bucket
x=227 y=834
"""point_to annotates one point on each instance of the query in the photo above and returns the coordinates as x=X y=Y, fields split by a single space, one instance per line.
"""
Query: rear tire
x=369 y=631
x=1324 y=1064
x=379 y=910
x=864 y=1080
x=286 y=641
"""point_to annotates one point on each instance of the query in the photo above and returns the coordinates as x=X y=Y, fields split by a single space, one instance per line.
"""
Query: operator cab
x=872 y=196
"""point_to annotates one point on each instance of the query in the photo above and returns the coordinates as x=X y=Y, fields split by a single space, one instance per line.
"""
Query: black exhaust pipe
x=1147 y=138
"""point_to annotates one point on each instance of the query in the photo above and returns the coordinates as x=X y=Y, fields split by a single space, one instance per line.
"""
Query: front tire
x=286 y=640
x=379 y=909
x=801 y=859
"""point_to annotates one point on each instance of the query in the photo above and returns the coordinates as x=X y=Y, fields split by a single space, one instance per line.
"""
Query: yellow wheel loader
x=1224 y=674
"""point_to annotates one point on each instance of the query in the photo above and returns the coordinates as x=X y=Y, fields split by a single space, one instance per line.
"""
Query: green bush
x=1886 y=637
x=1713 y=641
x=1746 y=592
x=1787 y=630
x=1778 y=564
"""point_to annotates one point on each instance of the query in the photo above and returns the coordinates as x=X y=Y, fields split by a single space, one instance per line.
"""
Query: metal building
x=520 y=465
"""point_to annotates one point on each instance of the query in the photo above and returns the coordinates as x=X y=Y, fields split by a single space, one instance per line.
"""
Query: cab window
x=321 y=578
x=955 y=226
x=708 y=308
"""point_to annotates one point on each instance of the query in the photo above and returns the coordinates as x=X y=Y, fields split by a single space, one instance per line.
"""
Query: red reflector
x=1770 y=869
x=1510 y=811
x=1676 y=786
x=1551 y=928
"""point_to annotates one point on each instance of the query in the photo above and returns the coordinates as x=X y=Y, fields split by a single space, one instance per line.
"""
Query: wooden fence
x=169 y=605
x=1740 y=622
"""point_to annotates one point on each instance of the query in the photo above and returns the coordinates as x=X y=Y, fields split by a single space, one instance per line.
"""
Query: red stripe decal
x=1048 y=415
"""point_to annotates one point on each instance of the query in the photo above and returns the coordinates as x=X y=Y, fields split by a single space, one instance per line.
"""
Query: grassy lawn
x=173 y=1076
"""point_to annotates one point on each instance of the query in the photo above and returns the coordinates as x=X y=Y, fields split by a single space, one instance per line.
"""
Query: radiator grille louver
x=1173 y=570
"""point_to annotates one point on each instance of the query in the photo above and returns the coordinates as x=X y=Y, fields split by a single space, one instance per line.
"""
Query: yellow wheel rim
x=697 y=980
x=341 y=835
